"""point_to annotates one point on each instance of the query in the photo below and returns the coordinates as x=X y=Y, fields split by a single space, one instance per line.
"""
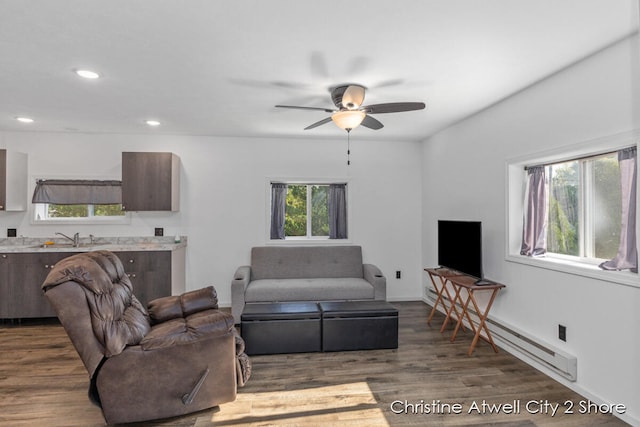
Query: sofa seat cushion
x=314 y=289
x=200 y=325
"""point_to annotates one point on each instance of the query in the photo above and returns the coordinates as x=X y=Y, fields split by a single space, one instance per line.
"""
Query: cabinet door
x=25 y=274
x=4 y=285
x=13 y=181
x=149 y=181
x=3 y=179
x=149 y=272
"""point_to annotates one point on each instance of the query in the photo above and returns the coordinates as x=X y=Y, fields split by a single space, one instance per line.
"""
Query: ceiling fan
x=349 y=112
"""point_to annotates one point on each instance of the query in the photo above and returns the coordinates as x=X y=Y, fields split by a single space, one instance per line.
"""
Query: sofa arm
x=373 y=275
x=239 y=284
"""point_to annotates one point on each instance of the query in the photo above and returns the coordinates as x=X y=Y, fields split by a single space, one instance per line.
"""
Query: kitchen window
x=78 y=201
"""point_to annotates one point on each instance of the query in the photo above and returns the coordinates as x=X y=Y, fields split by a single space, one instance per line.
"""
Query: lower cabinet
x=153 y=274
x=21 y=278
x=149 y=272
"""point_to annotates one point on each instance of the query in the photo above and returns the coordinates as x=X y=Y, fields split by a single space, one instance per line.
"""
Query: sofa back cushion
x=297 y=262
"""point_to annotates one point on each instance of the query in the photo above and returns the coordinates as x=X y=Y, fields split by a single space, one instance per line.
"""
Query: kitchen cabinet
x=153 y=274
x=149 y=272
x=21 y=280
x=150 y=181
x=13 y=181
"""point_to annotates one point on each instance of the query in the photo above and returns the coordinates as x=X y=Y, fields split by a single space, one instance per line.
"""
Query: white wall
x=223 y=197
x=464 y=178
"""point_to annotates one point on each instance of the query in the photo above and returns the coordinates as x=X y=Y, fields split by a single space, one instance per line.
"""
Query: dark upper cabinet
x=13 y=181
x=3 y=179
x=150 y=181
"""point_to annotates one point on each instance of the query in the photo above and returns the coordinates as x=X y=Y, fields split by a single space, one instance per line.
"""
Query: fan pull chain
x=348 y=147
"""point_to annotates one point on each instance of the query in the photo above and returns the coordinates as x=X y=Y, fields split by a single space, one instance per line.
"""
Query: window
x=51 y=211
x=306 y=213
x=76 y=201
x=308 y=210
x=587 y=222
x=584 y=207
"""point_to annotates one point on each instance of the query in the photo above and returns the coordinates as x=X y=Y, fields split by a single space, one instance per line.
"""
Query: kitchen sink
x=68 y=245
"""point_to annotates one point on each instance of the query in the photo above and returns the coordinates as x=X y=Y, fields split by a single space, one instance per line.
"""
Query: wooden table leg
x=452 y=308
x=464 y=313
x=483 y=322
x=439 y=299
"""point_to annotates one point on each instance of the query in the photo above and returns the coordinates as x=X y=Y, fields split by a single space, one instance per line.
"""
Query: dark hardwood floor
x=43 y=383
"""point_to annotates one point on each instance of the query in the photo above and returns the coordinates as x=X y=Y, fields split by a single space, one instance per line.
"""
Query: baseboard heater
x=508 y=336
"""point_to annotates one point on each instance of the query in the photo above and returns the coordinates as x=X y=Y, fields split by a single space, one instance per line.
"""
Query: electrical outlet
x=562 y=333
x=159 y=232
x=398 y=274
x=12 y=232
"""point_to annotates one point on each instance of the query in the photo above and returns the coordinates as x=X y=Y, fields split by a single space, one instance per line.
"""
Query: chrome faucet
x=75 y=239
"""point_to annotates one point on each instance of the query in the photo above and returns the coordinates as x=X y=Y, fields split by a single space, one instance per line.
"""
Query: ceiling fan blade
x=326 y=110
x=371 y=123
x=320 y=123
x=393 y=107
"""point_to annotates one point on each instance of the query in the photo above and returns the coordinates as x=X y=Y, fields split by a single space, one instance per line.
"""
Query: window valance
x=77 y=191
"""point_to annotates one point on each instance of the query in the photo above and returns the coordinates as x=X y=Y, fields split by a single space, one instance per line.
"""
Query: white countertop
x=114 y=244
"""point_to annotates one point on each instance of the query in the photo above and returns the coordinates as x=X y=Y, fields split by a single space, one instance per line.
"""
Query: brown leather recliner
x=181 y=356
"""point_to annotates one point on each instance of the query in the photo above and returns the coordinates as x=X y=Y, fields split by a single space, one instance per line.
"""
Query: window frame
x=515 y=177
x=302 y=240
x=90 y=220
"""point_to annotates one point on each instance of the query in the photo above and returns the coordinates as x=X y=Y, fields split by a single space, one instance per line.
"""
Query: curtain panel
x=534 y=230
x=337 y=204
x=278 y=207
x=77 y=192
x=627 y=256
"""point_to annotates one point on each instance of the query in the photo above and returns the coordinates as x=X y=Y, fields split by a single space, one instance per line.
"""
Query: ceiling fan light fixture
x=348 y=119
x=353 y=97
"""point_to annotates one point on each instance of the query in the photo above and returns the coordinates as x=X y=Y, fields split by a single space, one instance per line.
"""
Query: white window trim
x=119 y=220
x=306 y=240
x=515 y=190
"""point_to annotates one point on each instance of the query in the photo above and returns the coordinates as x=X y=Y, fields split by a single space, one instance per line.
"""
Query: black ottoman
x=287 y=327
x=358 y=325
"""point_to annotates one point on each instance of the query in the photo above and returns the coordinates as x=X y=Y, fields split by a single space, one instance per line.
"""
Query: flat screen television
x=460 y=246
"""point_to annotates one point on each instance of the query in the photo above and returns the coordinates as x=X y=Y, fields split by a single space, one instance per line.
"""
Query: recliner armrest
x=178 y=306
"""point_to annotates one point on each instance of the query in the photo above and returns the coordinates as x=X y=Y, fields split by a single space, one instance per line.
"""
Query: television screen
x=460 y=246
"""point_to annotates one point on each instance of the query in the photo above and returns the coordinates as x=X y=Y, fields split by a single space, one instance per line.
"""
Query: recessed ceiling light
x=152 y=122
x=24 y=119
x=87 y=74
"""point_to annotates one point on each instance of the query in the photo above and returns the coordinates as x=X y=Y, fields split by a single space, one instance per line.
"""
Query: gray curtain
x=337 y=204
x=77 y=192
x=627 y=257
x=278 y=206
x=534 y=230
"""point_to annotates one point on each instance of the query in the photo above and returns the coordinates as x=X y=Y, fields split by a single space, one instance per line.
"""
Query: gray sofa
x=305 y=273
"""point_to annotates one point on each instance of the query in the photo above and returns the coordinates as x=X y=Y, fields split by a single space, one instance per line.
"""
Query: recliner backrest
x=116 y=316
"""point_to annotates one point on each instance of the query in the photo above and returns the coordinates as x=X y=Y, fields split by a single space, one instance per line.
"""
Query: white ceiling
x=204 y=67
